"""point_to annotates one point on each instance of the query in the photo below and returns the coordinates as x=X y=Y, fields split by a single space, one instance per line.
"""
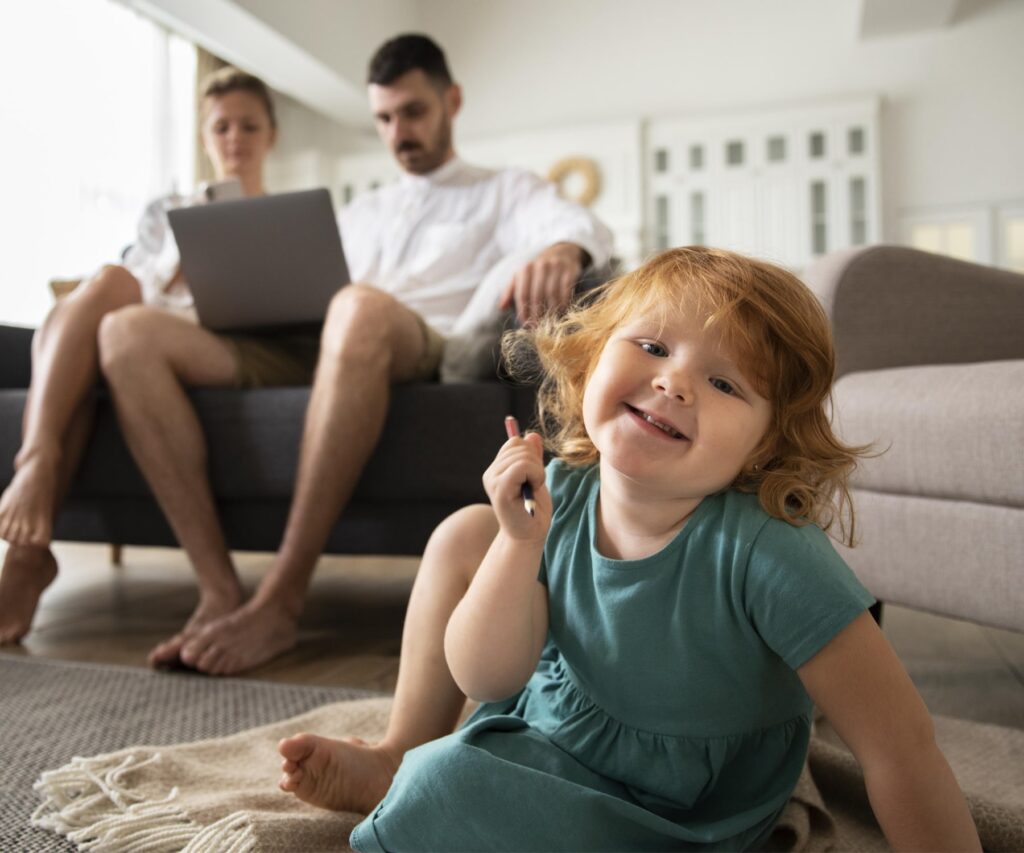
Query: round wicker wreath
x=586 y=169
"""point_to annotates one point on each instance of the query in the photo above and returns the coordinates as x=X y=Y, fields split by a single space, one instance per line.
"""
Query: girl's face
x=668 y=408
x=237 y=133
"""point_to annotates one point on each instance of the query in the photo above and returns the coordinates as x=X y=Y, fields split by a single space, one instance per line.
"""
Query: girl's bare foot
x=27 y=572
x=346 y=775
x=27 y=504
x=210 y=608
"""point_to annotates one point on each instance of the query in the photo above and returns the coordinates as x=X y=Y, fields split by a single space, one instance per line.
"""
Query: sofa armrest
x=925 y=423
x=15 y=356
x=892 y=306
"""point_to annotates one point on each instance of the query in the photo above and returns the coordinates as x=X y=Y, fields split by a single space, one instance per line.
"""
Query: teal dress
x=665 y=712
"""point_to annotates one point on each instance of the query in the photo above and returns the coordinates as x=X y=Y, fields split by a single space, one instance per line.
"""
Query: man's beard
x=426 y=158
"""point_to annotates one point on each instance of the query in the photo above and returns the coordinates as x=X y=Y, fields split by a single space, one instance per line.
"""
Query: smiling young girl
x=648 y=646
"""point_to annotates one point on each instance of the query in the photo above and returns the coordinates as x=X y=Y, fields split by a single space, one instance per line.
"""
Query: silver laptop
x=261 y=263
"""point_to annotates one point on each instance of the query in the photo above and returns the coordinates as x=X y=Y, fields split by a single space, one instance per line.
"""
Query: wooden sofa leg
x=115 y=555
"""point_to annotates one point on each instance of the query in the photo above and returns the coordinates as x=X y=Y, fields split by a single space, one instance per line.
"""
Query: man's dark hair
x=406 y=53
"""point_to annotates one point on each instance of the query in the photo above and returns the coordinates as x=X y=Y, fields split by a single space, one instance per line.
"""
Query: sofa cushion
x=945 y=431
x=956 y=558
x=437 y=442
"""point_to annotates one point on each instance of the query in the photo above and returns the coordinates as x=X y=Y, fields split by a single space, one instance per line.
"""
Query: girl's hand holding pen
x=519 y=462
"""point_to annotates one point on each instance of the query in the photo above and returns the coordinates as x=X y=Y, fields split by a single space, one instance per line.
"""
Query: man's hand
x=545 y=283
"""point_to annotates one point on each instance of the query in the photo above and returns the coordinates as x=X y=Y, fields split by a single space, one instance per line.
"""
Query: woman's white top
x=153 y=258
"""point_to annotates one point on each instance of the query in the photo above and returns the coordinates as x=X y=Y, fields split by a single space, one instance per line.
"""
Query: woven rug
x=52 y=711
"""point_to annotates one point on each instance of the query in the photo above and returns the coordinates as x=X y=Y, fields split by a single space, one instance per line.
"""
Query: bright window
x=956 y=239
x=98 y=118
x=1011 y=221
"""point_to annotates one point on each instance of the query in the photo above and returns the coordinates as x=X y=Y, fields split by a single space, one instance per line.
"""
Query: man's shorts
x=289 y=358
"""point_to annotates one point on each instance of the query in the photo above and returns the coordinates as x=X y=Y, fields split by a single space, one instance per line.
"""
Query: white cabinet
x=786 y=184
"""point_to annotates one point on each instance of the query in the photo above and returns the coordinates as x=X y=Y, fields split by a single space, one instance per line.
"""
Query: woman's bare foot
x=346 y=775
x=27 y=572
x=249 y=636
x=27 y=504
x=210 y=609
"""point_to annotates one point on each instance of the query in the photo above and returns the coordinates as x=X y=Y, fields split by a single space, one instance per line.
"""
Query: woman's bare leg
x=65 y=364
x=351 y=775
x=58 y=418
x=29 y=569
x=149 y=358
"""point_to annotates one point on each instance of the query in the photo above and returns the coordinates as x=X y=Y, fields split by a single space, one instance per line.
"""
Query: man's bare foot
x=347 y=775
x=27 y=504
x=251 y=635
x=27 y=572
x=209 y=610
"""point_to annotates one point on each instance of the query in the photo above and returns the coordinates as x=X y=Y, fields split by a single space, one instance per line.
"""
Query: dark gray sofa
x=437 y=442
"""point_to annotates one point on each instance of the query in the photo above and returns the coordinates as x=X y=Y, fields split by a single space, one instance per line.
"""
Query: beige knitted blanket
x=221 y=794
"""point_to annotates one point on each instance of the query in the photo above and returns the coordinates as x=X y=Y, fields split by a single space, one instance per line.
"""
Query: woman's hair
x=229 y=79
x=774 y=327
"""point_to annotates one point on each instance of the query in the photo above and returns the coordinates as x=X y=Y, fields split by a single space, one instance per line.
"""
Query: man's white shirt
x=431 y=240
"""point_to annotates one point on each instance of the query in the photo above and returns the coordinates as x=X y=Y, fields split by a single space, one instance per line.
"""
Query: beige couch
x=931 y=370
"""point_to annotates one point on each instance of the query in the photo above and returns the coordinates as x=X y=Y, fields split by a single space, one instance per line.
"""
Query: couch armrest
x=892 y=306
x=15 y=356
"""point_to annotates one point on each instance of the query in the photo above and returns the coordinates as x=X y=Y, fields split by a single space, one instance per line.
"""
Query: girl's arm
x=862 y=688
x=496 y=633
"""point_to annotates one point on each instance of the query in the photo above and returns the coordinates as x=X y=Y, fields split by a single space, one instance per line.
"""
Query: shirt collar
x=442 y=174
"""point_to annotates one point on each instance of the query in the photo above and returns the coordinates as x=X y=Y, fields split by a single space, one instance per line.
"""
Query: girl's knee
x=465 y=535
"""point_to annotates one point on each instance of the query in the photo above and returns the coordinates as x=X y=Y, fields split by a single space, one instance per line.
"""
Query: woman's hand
x=520 y=460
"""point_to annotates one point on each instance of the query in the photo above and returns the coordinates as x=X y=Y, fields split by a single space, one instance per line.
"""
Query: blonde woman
x=239 y=128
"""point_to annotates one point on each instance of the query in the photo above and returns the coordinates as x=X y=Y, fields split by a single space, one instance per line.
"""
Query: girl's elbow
x=491 y=693
x=476 y=681
x=485 y=685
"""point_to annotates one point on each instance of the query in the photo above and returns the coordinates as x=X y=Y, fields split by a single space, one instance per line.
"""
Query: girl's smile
x=668 y=408
x=660 y=425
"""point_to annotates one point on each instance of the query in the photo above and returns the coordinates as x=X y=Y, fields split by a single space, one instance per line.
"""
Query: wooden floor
x=349 y=636
x=351 y=630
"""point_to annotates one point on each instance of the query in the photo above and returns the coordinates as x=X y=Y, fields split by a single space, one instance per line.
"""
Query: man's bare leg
x=352 y=775
x=147 y=356
x=57 y=422
x=369 y=342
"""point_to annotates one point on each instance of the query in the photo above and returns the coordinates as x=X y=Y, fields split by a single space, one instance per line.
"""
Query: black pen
x=512 y=428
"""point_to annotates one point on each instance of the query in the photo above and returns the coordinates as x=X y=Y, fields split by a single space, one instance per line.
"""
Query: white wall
x=342 y=34
x=953 y=112
x=307 y=149
x=952 y=109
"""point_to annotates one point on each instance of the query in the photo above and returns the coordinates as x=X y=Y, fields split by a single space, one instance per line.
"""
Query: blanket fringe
x=231 y=834
x=88 y=802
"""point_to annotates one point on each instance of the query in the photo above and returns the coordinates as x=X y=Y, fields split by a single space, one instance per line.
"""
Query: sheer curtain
x=97 y=117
